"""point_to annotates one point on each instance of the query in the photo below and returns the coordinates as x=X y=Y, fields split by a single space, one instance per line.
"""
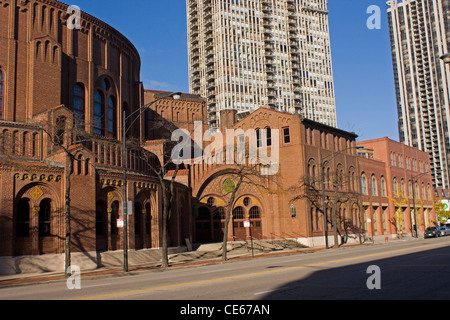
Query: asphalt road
x=409 y=270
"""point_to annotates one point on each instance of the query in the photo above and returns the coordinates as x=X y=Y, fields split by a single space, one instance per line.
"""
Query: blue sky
x=362 y=63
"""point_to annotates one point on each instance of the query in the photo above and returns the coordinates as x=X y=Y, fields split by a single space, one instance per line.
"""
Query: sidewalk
x=112 y=262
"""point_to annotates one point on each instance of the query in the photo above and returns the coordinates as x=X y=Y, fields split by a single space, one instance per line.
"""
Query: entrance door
x=138 y=236
x=113 y=226
x=203 y=226
x=101 y=226
x=239 y=230
x=255 y=220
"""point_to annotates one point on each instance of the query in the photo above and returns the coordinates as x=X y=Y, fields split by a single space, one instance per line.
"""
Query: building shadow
x=417 y=276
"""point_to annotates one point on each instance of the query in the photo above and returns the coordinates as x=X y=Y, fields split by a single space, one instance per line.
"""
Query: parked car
x=432 y=232
x=445 y=231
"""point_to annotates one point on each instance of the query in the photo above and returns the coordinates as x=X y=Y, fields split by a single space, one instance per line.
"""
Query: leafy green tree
x=442 y=213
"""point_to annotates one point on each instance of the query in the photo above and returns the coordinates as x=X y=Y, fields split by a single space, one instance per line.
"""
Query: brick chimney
x=228 y=119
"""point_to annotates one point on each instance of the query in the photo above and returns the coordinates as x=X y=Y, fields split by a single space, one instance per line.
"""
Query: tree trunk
x=67 y=213
x=228 y=218
x=225 y=231
x=164 y=245
x=335 y=227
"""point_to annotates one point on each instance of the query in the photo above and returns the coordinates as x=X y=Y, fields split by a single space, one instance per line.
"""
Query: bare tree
x=158 y=159
x=340 y=191
x=244 y=170
x=65 y=134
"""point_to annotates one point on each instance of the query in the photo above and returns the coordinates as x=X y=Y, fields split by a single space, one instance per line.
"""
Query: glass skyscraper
x=246 y=54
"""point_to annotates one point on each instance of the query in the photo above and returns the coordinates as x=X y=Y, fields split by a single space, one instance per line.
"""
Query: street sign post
x=129 y=207
x=247 y=224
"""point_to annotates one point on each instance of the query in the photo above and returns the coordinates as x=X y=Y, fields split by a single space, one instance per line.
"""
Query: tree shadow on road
x=417 y=276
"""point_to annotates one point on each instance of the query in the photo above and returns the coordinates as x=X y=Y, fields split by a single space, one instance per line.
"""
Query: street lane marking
x=177 y=285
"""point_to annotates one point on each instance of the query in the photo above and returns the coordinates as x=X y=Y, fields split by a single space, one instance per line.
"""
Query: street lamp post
x=141 y=110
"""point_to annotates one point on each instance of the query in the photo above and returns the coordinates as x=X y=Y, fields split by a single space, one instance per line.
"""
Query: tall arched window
x=363 y=184
x=78 y=104
x=383 y=187
x=98 y=113
x=112 y=116
x=374 y=186
x=293 y=211
x=395 y=187
x=258 y=138
x=410 y=189
x=2 y=95
x=45 y=218
x=269 y=136
x=105 y=108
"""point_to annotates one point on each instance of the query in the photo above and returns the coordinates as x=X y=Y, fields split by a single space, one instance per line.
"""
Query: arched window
x=23 y=219
x=98 y=113
x=258 y=138
x=269 y=136
x=402 y=188
x=106 y=84
x=2 y=95
x=60 y=130
x=383 y=187
x=45 y=218
x=293 y=211
x=255 y=213
x=78 y=104
x=410 y=189
x=238 y=213
x=363 y=184
x=211 y=202
x=112 y=116
x=395 y=186
x=79 y=162
x=374 y=186
x=105 y=108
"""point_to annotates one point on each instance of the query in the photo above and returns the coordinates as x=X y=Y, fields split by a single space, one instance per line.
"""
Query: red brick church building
x=52 y=76
x=57 y=81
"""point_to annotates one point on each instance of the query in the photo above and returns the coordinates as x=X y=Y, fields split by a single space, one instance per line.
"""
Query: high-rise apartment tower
x=420 y=35
x=246 y=54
